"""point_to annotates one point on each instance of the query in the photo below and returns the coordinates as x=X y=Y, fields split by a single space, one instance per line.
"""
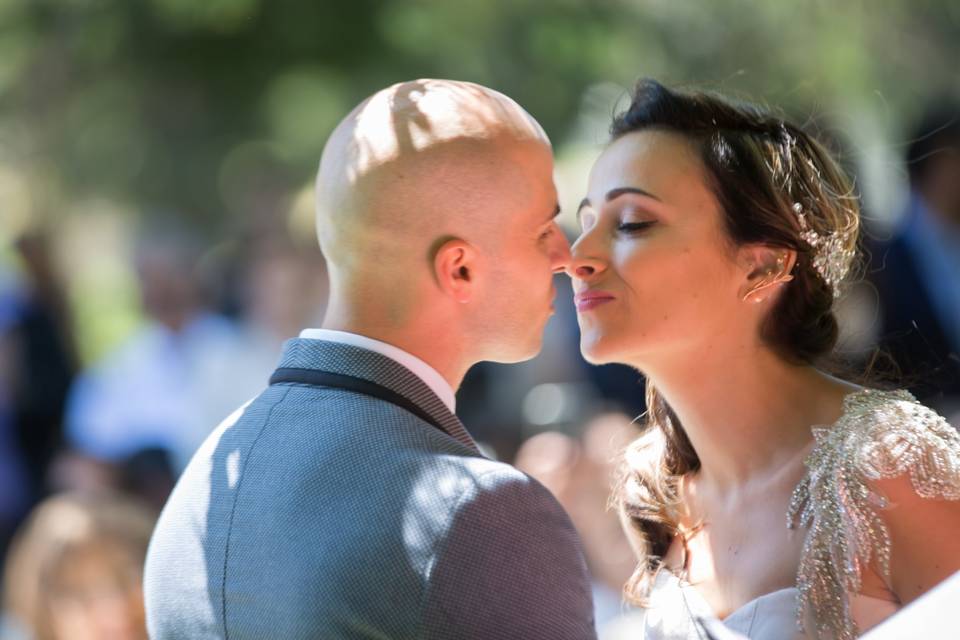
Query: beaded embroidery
x=832 y=253
x=882 y=434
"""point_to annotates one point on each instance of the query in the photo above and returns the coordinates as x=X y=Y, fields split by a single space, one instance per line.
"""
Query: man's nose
x=560 y=257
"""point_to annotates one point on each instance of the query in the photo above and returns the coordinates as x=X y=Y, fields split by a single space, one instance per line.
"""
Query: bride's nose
x=584 y=264
x=583 y=269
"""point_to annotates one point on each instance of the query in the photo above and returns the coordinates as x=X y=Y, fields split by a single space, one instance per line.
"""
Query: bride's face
x=653 y=270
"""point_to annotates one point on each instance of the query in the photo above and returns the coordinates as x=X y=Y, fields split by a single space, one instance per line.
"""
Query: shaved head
x=417 y=162
x=421 y=117
x=429 y=185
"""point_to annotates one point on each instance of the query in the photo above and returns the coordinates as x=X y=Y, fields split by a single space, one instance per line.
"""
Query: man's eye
x=634 y=227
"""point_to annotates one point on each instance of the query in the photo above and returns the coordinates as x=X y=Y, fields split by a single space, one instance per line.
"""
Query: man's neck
x=433 y=347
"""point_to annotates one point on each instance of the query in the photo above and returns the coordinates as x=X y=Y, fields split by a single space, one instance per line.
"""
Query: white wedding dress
x=677 y=609
x=882 y=434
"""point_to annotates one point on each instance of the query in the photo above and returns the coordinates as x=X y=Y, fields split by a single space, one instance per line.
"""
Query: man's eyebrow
x=616 y=193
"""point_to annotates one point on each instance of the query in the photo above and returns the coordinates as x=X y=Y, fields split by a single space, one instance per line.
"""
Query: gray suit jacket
x=318 y=512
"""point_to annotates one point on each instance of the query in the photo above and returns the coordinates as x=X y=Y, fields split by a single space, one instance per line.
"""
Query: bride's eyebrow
x=613 y=194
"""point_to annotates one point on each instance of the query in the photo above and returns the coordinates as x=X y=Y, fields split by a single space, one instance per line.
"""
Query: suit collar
x=344 y=359
x=420 y=368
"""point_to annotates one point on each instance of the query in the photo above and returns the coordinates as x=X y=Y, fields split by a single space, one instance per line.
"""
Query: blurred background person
x=45 y=361
x=917 y=271
x=135 y=418
x=12 y=473
x=281 y=288
x=74 y=571
x=580 y=472
x=37 y=364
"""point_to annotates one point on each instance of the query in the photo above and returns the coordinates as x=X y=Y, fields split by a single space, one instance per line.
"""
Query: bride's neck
x=747 y=412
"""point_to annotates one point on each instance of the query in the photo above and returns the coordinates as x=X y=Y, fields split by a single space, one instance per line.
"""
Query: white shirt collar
x=430 y=376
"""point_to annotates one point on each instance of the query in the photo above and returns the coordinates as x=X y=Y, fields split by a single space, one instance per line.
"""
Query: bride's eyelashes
x=635 y=227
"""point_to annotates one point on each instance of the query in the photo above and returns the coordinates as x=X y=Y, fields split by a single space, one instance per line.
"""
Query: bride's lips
x=587 y=300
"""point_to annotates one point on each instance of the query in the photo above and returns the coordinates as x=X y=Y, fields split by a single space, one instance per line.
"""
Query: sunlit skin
x=661 y=268
x=436 y=212
x=660 y=286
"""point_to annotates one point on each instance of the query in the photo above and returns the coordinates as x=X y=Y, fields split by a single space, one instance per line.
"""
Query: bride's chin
x=596 y=352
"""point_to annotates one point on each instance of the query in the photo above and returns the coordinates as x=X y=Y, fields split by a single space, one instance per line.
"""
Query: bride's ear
x=766 y=270
x=455 y=268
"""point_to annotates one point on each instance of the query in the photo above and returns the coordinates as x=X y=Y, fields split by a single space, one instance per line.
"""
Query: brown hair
x=764 y=172
x=57 y=532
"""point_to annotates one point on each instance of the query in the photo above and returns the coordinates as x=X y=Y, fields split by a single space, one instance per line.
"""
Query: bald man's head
x=436 y=198
x=420 y=158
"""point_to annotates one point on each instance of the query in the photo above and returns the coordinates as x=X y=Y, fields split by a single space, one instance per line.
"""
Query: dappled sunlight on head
x=415 y=166
x=422 y=141
x=414 y=116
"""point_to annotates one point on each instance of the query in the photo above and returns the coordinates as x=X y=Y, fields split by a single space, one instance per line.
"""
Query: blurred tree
x=217 y=111
x=220 y=108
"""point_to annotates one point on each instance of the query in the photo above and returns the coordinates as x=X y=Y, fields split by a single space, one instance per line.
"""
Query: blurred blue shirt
x=13 y=497
x=164 y=389
x=935 y=246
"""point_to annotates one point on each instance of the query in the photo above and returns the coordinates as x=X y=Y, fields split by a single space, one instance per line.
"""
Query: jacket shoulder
x=510 y=564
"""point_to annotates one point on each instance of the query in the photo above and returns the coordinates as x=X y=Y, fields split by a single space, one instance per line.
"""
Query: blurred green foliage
x=212 y=108
x=217 y=110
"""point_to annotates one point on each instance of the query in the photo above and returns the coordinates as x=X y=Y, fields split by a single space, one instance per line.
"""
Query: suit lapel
x=343 y=359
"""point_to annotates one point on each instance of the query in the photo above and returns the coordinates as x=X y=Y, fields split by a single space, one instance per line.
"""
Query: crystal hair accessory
x=831 y=254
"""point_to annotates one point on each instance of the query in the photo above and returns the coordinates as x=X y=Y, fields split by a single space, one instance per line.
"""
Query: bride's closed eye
x=635 y=227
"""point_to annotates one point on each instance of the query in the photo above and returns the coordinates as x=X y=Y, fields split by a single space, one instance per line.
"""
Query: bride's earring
x=773 y=277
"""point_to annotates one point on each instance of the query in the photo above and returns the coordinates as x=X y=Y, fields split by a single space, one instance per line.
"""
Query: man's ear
x=765 y=268
x=455 y=267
